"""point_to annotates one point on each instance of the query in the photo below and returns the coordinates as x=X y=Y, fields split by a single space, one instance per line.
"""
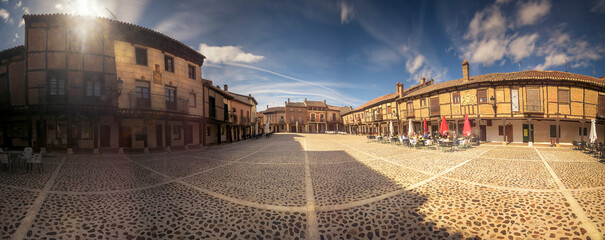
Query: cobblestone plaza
x=310 y=186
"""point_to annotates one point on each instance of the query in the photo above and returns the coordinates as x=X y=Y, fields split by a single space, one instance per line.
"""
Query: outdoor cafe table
x=14 y=155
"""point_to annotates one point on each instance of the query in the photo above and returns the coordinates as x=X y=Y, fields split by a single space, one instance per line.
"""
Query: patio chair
x=4 y=160
x=419 y=144
x=36 y=159
x=429 y=144
x=27 y=154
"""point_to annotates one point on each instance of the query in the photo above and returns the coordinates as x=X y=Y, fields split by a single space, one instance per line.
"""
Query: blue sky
x=349 y=52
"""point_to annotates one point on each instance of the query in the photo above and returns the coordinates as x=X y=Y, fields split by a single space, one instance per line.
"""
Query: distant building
x=305 y=117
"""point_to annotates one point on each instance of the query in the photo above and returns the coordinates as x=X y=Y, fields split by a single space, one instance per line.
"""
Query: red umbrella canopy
x=425 y=127
x=467 y=126
x=443 y=129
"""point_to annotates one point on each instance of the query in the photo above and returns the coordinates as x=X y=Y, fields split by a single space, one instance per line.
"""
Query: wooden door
x=509 y=133
x=527 y=133
x=483 y=132
x=125 y=134
x=105 y=136
x=159 y=136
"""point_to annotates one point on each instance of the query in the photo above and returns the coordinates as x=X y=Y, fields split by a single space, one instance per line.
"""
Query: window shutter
x=563 y=96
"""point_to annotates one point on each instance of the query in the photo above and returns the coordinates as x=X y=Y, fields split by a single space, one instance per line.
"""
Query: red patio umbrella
x=425 y=127
x=443 y=129
x=466 y=131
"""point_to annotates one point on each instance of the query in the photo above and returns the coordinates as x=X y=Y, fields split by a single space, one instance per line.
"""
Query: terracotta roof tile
x=378 y=100
x=295 y=104
x=493 y=77
x=315 y=104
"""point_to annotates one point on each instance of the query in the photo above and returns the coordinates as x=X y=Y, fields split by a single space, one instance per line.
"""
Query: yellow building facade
x=519 y=107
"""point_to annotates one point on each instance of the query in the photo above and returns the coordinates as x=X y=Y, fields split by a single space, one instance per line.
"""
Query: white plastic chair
x=27 y=154
x=4 y=160
x=36 y=159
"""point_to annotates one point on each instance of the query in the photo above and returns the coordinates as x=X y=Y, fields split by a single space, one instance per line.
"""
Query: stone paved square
x=310 y=186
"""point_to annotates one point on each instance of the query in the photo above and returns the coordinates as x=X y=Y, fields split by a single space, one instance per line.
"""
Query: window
x=435 y=106
x=514 y=96
x=553 y=131
x=191 y=72
x=170 y=97
x=291 y=109
x=241 y=115
x=312 y=116
x=226 y=112
x=93 y=85
x=192 y=102
x=533 y=99
x=333 y=116
x=56 y=83
x=310 y=108
x=482 y=96
x=580 y=131
x=141 y=135
x=85 y=127
x=602 y=105
x=563 y=96
x=176 y=132
x=169 y=64
x=388 y=109
x=410 y=109
x=212 y=107
x=456 y=97
x=141 y=56
x=500 y=130
x=4 y=92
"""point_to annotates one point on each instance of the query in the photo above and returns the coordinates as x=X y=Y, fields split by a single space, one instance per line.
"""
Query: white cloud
x=228 y=54
x=413 y=65
x=531 y=12
x=4 y=1
x=25 y=10
x=522 y=47
x=4 y=14
x=487 y=24
x=578 y=52
x=272 y=88
x=490 y=38
x=599 y=6
x=178 y=27
x=553 y=59
x=18 y=4
x=346 y=13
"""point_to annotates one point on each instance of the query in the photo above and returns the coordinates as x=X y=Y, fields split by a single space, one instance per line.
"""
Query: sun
x=82 y=8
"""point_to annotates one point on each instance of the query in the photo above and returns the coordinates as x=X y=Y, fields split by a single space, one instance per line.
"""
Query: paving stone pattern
x=256 y=189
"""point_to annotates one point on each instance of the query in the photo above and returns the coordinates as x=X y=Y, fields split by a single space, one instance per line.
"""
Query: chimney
x=305 y=99
x=400 y=89
x=422 y=80
x=465 y=71
x=285 y=103
x=249 y=94
x=324 y=101
x=226 y=88
x=288 y=100
x=267 y=106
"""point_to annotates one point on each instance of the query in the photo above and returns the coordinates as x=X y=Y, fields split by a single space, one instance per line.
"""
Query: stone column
x=558 y=132
x=582 y=130
x=167 y=135
x=530 y=133
x=120 y=143
x=504 y=136
x=95 y=134
x=70 y=149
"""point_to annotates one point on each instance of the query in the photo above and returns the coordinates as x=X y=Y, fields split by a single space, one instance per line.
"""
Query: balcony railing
x=533 y=109
x=75 y=96
x=157 y=102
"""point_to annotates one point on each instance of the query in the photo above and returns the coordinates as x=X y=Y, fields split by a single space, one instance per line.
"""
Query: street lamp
x=492 y=100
